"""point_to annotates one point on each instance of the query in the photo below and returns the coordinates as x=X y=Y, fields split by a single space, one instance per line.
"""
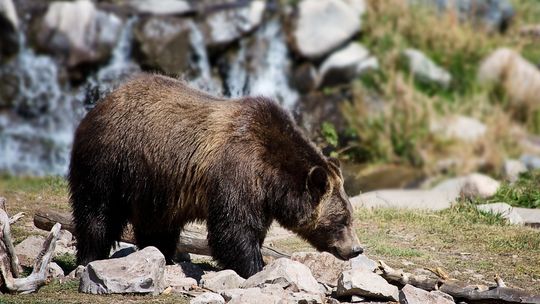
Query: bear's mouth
x=334 y=251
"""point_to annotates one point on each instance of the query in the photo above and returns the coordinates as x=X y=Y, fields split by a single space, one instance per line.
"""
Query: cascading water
x=265 y=73
x=204 y=81
x=35 y=137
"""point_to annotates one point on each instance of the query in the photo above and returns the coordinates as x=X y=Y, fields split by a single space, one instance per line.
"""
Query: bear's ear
x=334 y=161
x=317 y=182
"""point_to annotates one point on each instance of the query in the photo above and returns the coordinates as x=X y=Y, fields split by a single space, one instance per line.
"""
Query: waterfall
x=266 y=74
x=35 y=137
x=204 y=81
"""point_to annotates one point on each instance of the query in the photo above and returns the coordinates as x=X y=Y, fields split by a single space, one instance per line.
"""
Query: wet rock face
x=77 y=32
x=163 y=43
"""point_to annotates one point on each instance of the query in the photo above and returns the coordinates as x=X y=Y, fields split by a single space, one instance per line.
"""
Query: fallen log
x=190 y=240
x=9 y=265
x=458 y=290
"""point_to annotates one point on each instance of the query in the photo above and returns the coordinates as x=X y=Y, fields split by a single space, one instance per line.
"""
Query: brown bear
x=160 y=154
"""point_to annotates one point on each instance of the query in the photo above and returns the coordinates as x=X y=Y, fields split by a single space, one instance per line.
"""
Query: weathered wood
x=9 y=265
x=459 y=290
x=190 y=240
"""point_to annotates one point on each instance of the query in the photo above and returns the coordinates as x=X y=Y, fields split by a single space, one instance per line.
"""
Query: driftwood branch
x=190 y=240
x=16 y=217
x=459 y=290
x=9 y=265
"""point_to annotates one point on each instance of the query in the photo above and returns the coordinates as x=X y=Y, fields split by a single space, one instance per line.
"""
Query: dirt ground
x=469 y=245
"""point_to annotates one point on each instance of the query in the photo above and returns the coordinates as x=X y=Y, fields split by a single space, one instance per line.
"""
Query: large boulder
x=288 y=274
x=77 y=32
x=504 y=210
x=470 y=186
x=518 y=77
x=9 y=23
x=425 y=69
x=345 y=64
x=460 y=127
x=406 y=199
x=366 y=284
x=140 y=272
x=324 y=266
x=323 y=25
x=164 y=43
x=222 y=27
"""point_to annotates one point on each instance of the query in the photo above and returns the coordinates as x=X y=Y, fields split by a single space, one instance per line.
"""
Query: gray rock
x=225 y=279
x=87 y=33
x=531 y=161
x=242 y=296
x=28 y=250
x=140 y=272
x=122 y=249
x=405 y=199
x=412 y=295
x=161 y=7
x=305 y=298
x=470 y=186
x=530 y=217
x=225 y=26
x=164 y=43
x=425 y=69
x=323 y=25
x=65 y=237
x=362 y=262
x=177 y=279
x=460 y=127
x=345 y=64
x=288 y=274
x=365 y=283
x=512 y=169
x=503 y=209
x=208 y=298
x=54 y=271
x=324 y=266
x=76 y=273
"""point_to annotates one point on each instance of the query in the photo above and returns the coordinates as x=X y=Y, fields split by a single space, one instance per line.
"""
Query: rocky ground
x=413 y=240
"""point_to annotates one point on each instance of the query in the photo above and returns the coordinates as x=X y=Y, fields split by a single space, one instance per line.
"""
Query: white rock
x=503 y=209
x=345 y=64
x=8 y=10
x=122 y=249
x=519 y=77
x=177 y=279
x=161 y=7
x=512 y=169
x=324 y=266
x=28 y=250
x=425 y=69
x=287 y=273
x=470 y=186
x=460 y=127
x=412 y=295
x=365 y=283
x=405 y=199
x=225 y=26
x=362 y=262
x=140 y=272
x=54 y=271
x=530 y=217
x=87 y=32
x=208 y=298
x=225 y=279
x=76 y=273
x=323 y=25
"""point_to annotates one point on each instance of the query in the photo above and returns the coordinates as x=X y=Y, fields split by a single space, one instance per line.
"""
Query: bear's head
x=330 y=225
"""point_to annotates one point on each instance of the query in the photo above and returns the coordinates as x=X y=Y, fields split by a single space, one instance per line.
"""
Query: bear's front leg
x=236 y=248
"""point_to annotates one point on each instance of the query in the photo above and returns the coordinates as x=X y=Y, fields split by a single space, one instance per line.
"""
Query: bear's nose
x=356 y=251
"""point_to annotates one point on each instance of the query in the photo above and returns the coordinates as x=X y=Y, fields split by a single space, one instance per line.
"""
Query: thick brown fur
x=159 y=154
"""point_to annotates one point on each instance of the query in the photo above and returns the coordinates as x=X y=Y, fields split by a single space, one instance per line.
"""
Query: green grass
x=525 y=192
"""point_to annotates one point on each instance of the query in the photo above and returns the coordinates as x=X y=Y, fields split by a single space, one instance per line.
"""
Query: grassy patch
x=525 y=192
x=68 y=262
